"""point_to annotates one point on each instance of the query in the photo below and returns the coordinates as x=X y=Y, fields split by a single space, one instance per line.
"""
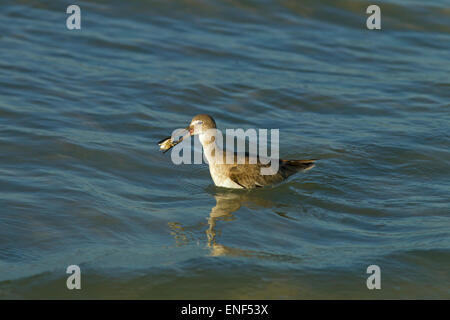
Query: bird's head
x=200 y=124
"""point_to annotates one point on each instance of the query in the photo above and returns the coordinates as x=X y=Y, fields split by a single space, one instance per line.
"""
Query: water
x=82 y=180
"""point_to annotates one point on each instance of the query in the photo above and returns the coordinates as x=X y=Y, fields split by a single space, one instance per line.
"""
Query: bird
x=234 y=174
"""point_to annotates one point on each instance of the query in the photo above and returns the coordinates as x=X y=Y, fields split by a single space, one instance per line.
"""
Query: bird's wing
x=249 y=175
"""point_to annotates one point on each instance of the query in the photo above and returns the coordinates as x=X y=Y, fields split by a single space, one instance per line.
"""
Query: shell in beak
x=168 y=143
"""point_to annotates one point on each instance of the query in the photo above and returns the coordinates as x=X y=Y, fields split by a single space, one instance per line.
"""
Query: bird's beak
x=167 y=143
x=188 y=132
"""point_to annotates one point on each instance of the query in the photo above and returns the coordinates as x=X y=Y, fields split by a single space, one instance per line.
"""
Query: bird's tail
x=300 y=164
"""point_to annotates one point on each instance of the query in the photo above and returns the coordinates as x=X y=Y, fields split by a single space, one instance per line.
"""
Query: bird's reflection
x=227 y=202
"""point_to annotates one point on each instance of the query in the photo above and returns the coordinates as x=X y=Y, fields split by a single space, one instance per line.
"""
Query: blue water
x=82 y=180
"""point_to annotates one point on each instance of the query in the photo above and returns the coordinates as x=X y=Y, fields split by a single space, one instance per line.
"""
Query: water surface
x=82 y=181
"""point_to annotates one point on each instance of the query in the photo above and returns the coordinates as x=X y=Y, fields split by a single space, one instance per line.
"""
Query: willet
x=233 y=174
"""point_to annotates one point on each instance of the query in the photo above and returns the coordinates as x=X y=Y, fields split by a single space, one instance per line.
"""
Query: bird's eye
x=197 y=122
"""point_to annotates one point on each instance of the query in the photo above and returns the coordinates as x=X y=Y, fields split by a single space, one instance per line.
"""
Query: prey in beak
x=168 y=143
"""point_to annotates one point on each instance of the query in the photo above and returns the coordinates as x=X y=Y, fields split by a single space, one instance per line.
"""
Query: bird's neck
x=210 y=148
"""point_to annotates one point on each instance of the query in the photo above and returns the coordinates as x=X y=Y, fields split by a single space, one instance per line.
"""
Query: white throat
x=210 y=147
